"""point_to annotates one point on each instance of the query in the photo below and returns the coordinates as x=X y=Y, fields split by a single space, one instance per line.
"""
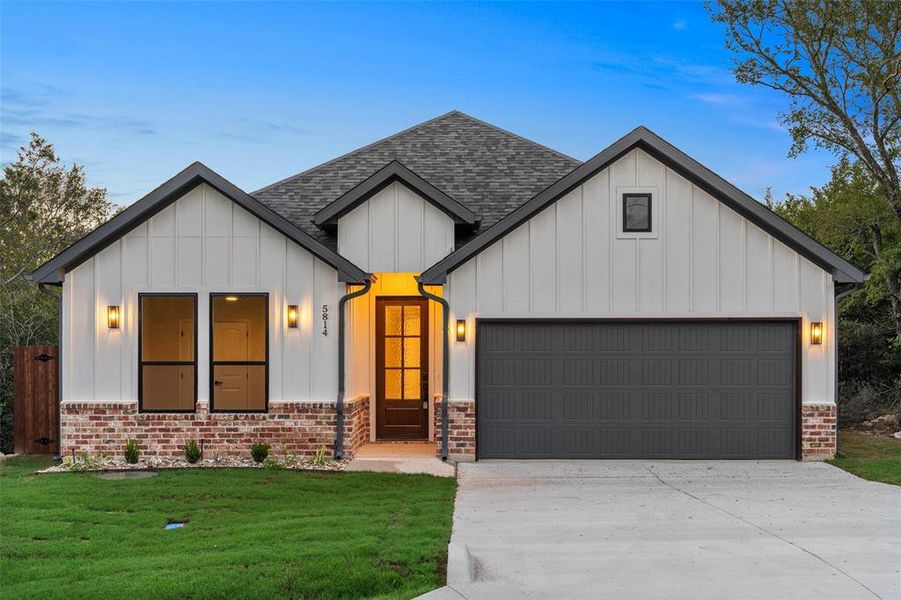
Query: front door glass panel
x=402 y=381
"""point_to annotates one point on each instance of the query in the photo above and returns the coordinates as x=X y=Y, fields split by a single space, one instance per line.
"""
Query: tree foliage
x=840 y=65
x=44 y=207
x=849 y=215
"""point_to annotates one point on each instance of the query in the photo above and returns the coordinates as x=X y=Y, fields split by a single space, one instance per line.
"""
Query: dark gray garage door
x=593 y=389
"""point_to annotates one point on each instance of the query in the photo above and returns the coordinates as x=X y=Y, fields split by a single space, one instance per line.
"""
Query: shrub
x=131 y=452
x=192 y=452
x=272 y=463
x=862 y=400
x=259 y=451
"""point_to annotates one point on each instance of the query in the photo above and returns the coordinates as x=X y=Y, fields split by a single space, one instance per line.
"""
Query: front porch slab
x=401 y=458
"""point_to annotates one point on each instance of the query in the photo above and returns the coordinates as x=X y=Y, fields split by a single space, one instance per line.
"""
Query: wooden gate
x=35 y=410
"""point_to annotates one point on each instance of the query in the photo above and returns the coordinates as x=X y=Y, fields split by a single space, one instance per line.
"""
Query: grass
x=873 y=458
x=249 y=533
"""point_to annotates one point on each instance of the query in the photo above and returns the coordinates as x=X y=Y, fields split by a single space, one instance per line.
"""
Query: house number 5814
x=325 y=319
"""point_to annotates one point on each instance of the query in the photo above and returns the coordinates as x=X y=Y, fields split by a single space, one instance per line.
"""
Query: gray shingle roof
x=487 y=169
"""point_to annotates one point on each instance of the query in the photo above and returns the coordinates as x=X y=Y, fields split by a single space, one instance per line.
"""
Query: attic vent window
x=636 y=212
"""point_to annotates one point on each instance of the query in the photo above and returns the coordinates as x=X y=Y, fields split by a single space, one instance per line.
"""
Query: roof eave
x=641 y=137
x=53 y=271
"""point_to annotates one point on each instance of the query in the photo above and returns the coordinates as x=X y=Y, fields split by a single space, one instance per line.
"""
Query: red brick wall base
x=461 y=437
x=300 y=428
x=818 y=431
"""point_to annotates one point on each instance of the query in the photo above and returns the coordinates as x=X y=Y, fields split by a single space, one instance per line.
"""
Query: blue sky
x=260 y=91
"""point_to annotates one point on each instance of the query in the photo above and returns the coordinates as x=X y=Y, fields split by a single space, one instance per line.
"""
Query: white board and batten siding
x=702 y=260
x=395 y=231
x=202 y=243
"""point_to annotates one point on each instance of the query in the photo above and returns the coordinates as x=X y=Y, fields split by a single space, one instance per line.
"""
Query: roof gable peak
x=53 y=271
x=391 y=172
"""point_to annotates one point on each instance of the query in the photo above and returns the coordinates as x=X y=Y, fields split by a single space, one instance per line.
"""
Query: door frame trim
x=798 y=323
x=379 y=356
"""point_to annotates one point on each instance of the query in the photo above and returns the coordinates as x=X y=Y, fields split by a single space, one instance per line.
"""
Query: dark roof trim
x=53 y=271
x=641 y=137
x=393 y=171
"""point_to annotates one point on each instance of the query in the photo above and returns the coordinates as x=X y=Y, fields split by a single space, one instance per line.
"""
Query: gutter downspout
x=339 y=404
x=445 y=359
x=59 y=365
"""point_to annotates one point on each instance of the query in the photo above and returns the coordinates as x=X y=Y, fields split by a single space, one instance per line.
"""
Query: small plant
x=273 y=464
x=259 y=451
x=84 y=462
x=319 y=459
x=290 y=461
x=131 y=452
x=192 y=452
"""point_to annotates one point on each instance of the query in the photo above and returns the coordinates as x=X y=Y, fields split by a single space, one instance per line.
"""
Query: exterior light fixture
x=231 y=298
x=112 y=316
x=816 y=333
x=292 y=316
x=461 y=330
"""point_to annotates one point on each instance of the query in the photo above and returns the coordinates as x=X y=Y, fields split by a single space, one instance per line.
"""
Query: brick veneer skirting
x=461 y=436
x=300 y=428
x=818 y=431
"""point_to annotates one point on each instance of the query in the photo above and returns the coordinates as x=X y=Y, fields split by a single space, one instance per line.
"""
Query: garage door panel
x=671 y=390
x=772 y=338
x=775 y=406
x=774 y=371
x=587 y=442
x=503 y=371
x=614 y=338
x=591 y=406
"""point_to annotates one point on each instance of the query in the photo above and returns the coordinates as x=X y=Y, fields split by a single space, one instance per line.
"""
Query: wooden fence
x=35 y=409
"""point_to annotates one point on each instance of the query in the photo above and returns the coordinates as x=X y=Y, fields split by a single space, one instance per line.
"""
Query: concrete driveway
x=672 y=529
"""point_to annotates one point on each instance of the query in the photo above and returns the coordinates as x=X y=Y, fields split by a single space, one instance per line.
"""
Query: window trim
x=213 y=363
x=650 y=198
x=141 y=363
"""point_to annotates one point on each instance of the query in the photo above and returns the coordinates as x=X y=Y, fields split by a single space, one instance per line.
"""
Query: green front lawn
x=249 y=534
x=873 y=458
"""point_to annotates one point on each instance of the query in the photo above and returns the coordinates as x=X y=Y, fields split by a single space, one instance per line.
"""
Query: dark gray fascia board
x=641 y=137
x=393 y=171
x=53 y=271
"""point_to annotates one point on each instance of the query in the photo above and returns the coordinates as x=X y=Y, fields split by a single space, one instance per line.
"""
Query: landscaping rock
x=107 y=463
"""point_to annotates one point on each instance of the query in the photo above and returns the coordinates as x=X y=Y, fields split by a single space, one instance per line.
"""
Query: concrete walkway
x=415 y=457
x=670 y=529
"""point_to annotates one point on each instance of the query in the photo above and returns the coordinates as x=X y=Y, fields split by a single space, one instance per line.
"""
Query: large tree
x=44 y=207
x=839 y=62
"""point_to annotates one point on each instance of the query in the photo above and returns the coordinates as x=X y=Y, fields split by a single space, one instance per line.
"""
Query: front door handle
x=217 y=382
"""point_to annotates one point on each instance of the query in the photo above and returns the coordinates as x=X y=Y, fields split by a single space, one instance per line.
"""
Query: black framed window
x=637 y=212
x=167 y=352
x=239 y=352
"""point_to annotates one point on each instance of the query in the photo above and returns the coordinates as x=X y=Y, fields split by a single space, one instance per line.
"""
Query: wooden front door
x=401 y=364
